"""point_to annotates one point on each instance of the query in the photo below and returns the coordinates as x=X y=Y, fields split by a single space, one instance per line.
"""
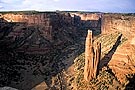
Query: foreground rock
x=123 y=61
x=8 y=88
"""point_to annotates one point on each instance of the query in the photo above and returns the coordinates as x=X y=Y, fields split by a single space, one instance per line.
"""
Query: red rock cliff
x=118 y=22
x=122 y=62
x=89 y=20
x=88 y=16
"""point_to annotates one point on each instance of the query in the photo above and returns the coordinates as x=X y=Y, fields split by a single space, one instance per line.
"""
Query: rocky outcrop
x=92 y=58
x=30 y=19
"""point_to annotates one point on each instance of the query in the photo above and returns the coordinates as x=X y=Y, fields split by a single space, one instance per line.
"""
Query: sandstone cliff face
x=88 y=16
x=85 y=21
x=30 y=19
x=122 y=62
x=41 y=20
x=118 y=22
x=89 y=20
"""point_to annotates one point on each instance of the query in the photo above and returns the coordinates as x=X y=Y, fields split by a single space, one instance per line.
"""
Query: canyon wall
x=88 y=16
x=118 y=22
x=46 y=21
x=41 y=31
x=122 y=62
x=49 y=20
x=91 y=20
x=46 y=30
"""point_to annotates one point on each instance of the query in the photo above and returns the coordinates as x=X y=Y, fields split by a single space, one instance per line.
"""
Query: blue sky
x=127 y=6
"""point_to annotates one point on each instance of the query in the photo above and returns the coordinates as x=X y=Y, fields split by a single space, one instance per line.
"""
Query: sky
x=119 y=6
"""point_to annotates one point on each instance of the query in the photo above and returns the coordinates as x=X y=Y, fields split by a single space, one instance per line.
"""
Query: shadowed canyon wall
x=93 y=19
x=42 y=31
x=46 y=21
x=49 y=34
x=47 y=30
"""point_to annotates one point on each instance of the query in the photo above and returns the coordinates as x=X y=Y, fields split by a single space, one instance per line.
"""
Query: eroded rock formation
x=92 y=58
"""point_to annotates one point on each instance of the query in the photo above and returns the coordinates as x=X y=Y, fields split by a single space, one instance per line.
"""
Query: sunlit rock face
x=122 y=62
x=88 y=16
x=92 y=58
x=118 y=22
x=30 y=19
x=93 y=19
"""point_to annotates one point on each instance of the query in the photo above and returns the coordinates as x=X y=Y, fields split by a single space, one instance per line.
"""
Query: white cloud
x=1 y=7
x=38 y=5
x=10 y=1
x=56 y=0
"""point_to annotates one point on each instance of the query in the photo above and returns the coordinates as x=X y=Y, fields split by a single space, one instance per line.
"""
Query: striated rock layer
x=92 y=58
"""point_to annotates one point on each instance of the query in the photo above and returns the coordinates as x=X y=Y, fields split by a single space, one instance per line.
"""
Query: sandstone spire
x=92 y=57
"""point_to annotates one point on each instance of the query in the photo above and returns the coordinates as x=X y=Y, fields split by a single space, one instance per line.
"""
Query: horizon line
x=61 y=11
